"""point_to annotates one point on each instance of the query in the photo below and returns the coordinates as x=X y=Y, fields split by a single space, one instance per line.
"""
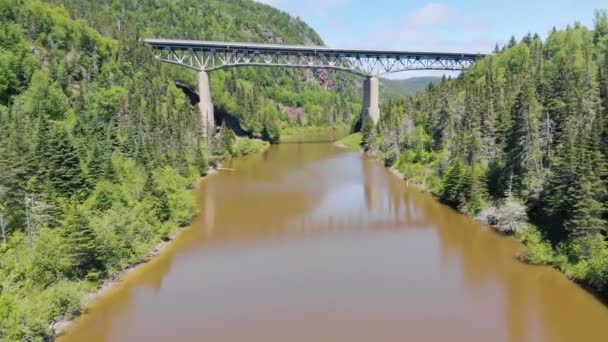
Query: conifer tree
x=64 y=173
x=523 y=145
x=368 y=131
x=82 y=247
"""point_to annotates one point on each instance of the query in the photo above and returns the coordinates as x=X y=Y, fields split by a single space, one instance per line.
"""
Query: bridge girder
x=210 y=56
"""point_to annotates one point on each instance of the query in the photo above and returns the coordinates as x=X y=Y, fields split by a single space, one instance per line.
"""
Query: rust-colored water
x=312 y=243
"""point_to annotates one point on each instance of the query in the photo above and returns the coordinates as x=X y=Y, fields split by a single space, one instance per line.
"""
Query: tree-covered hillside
x=98 y=146
x=526 y=131
x=399 y=88
x=251 y=94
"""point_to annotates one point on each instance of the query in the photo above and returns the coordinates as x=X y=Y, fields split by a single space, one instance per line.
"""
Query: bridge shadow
x=221 y=115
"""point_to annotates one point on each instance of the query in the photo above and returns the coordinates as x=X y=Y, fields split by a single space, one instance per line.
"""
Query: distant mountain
x=395 y=89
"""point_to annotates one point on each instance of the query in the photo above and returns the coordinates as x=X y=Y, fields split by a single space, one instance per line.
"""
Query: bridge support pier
x=205 y=105
x=371 y=105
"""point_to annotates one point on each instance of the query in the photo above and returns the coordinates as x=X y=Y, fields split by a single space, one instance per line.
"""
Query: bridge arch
x=208 y=56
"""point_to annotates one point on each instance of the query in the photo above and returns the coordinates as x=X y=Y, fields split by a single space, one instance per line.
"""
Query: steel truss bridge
x=210 y=56
x=206 y=56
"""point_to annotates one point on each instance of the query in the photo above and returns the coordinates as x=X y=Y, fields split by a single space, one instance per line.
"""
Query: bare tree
x=37 y=212
x=28 y=220
x=2 y=227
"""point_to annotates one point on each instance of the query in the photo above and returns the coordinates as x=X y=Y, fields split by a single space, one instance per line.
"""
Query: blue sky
x=471 y=26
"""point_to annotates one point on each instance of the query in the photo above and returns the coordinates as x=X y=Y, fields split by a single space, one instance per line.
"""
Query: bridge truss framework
x=210 y=56
x=206 y=56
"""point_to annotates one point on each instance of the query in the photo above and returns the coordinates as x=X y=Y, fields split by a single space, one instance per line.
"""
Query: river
x=309 y=242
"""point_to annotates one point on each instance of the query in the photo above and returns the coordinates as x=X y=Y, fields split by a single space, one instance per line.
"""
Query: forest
x=520 y=140
x=98 y=147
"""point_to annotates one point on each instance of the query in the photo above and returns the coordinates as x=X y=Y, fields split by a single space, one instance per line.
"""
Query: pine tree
x=95 y=165
x=600 y=25
x=64 y=173
x=81 y=242
x=368 y=131
x=226 y=140
x=523 y=145
x=455 y=181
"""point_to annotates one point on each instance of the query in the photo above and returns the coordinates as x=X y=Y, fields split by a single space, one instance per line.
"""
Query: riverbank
x=262 y=225
x=352 y=141
x=243 y=147
x=307 y=134
x=588 y=273
x=62 y=326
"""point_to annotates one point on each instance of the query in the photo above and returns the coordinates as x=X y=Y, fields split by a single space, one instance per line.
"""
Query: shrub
x=511 y=216
x=538 y=250
x=246 y=146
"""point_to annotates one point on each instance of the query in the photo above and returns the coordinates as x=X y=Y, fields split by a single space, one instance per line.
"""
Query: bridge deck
x=232 y=46
x=211 y=55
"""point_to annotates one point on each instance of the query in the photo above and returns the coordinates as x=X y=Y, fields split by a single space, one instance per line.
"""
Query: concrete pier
x=371 y=107
x=205 y=105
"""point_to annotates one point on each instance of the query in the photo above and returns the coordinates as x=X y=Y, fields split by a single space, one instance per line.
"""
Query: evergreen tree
x=63 y=173
x=80 y=242
x=228 y=139
x=368 y=131
x=455 y=183
x=523 y=145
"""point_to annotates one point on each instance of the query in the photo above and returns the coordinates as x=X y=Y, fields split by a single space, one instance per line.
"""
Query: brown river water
x=309 y=242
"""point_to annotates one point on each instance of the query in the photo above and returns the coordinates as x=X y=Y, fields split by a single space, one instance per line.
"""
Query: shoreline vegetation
x=519 y=140
x=310 y=134
x=537 y=250
x=242 y=147
x=99 y=141
x=99 y=146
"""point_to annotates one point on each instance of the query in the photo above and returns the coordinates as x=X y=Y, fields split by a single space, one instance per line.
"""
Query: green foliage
x=399 y=88
x=97 y=150
x=62 y=170
x=327 y=133
x=538 y=250
x=80 y=243
x=512 y=216
x=456 y=182
x=352 y=141
x=251 y=95
x=368 y=134
x=524 y=130
x=246 y=146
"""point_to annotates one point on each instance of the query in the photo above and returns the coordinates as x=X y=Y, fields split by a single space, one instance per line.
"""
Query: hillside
x=520 y=140
x=325 y=98
x=98 y=146
x=394 y=89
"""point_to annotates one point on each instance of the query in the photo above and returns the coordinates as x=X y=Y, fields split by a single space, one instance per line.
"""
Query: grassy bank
x=352 y=141
x=247 y=146
x=297 y=134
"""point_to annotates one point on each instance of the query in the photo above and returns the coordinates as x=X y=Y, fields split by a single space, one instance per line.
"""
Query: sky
x=453 y=26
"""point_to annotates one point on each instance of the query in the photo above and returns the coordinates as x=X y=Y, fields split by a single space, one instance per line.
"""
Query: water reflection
x=312 y=243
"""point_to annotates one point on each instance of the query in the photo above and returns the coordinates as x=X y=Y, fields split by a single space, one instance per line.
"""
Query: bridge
x=208 y=56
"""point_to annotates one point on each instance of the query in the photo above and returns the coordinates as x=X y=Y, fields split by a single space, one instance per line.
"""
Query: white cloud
x=319 y=8
x=435 y=27
x=430 y=15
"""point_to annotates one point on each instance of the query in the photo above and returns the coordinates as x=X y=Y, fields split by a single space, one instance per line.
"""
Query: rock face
x=272 y=37
x=320 y=77
x=293 y=113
